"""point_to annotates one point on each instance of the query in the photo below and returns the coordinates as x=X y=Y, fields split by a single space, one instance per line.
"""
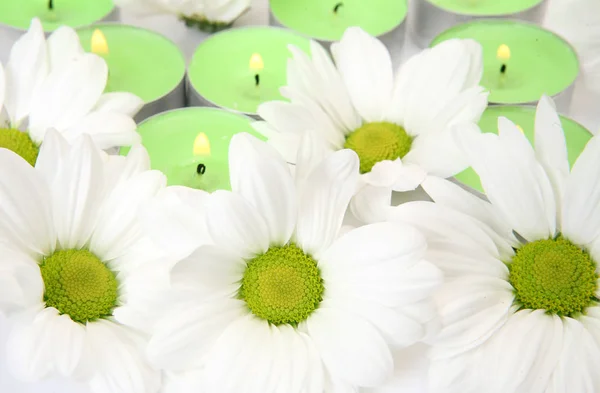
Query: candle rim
x=541 y=3
x=196 y=91
x=180 y=79
x=329 y=41
x=195 y=109
x=574 y=52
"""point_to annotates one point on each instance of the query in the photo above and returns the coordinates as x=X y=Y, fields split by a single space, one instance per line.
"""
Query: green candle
x=486 y=7
x=328 y=19
x=524 y=116
x=139 y=61
x=537 y=62
x=191 y=145
x=74 y=13
x=239 y=69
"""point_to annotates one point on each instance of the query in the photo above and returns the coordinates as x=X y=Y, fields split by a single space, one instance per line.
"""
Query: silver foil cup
x=428 y=20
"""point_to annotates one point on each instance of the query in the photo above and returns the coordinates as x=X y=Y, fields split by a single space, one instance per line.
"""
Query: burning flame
x=256 y=63
x=520 y=128
x=503 y=53
x=99 y=44
x=201 y=145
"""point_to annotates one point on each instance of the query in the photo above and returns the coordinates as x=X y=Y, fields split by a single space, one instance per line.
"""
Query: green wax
x=540 y=62
x=485 y=7
x=74 y=13
x=220 y=68
x=317 y=19
x=169 y=138
x=576 y=135
x=139 y=61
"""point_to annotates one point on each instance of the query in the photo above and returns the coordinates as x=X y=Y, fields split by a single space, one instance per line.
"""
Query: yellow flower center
x=20 y=143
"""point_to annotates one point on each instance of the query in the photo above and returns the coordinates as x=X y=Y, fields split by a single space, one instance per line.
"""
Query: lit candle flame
x=256 y=63
x=99 y=44
x=520 y=128
x=503 y=53
x=201 y=145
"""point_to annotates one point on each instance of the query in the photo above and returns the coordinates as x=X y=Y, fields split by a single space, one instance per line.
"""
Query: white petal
x=186 y=336
x=119 y=169
x=209 y=268
x=120 y=364
x=286 y=117
x=235 y=225
x=26 y=214
x=2 y=93
x=63 y=47
x=67 y=95
x=581 y=206
x=263 y=178
x=323 y=205
x=286 y=143
x=311 y=152
x=21 y=284
x=120 y=102
x=351 y=348
x=26 y=70
x=77 y=196
x=366 y=68
x=410 y=371
x=513 y=180
x=175 y=220
x=398 y=175
x=107 y=129
x=51 y=156
x=118 y=226
x=372 y=204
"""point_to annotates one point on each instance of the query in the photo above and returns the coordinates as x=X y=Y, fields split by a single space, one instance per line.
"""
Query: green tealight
x=575 y=134
x=169 y=138
x=540 y=62
x=73 y=13
x=317 y=19
x=486 y=7
x=220 y=68
x=139 y=61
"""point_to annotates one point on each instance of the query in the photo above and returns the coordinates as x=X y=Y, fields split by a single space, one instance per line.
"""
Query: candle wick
x=50 y=5
x=503 y=69
x=337 y=7
x=257 y=79
x=201 y=169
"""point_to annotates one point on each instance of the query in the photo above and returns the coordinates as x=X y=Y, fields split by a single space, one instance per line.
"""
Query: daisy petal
x=513 y=180
x=366 y=68
x=286 y=143
x=67 y=95
x=311 y=152
x=121 y=366
x=581 y=206
x=352 y=349
x=63 y=47
x=397 y=175
x=51 y=156
x=26 y=70
x=78 y=194
x=263 y=178
x=234 y=224
x=107 y=129
x=21 y=284
x=323 y=205
x=26 y=215
x=120 y=102
x=118 y=226
x=372 y=204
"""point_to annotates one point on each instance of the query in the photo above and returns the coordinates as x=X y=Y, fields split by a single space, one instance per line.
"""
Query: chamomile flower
x=281 y=302
x=74 y=268
x=520 y=308
x=399 y=125
x=53 y=84
x=206 y=15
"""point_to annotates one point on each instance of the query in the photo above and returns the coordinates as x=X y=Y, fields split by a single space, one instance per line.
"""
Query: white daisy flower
x=54 y=84
x=206 y=15
x=520 y=307
x=397 y=124
x=280 y=303
x=73 y=265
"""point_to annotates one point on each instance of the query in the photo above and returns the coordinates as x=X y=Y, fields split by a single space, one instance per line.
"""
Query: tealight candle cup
x=539 y=62
x=141 y=62
x=317 y=20
x=428 y=19
x=241 y=68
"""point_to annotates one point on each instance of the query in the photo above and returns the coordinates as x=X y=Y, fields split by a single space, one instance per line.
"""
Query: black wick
x=50 y=4
x=503 y=69
x=337 y=7
x=201 y=169
x=257 y=79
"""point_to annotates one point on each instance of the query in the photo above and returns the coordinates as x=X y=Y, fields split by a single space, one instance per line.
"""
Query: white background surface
x=584 y=109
